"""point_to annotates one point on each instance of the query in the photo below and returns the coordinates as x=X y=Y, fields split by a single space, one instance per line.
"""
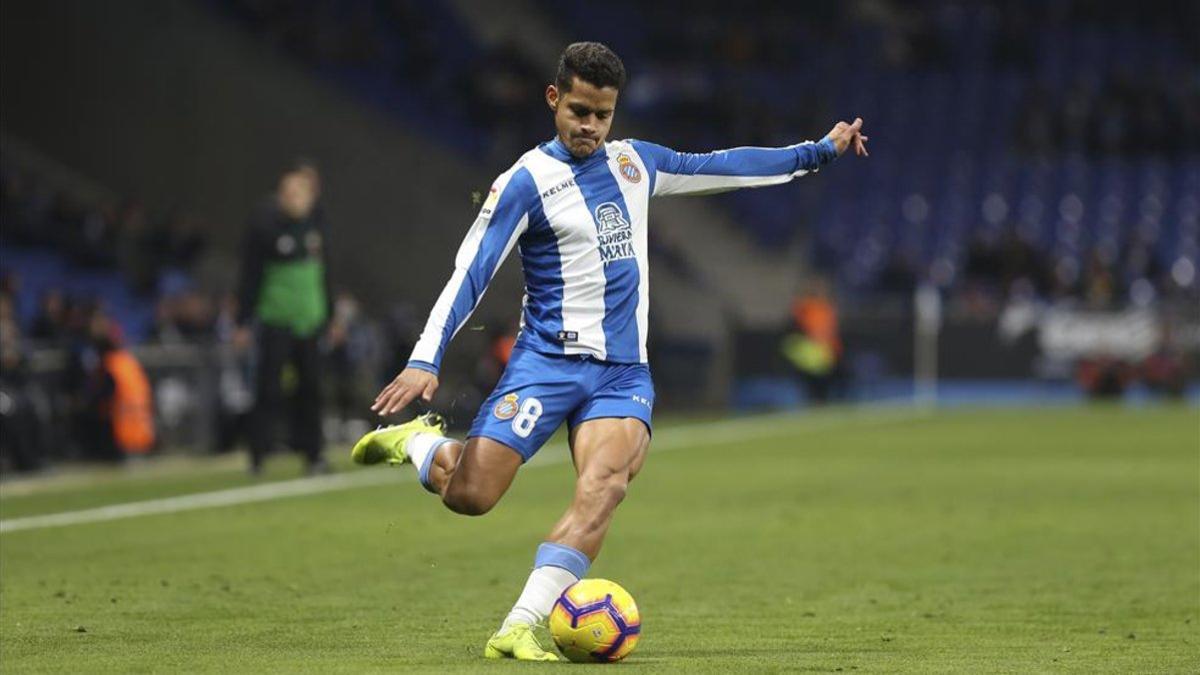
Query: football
x=595 y=620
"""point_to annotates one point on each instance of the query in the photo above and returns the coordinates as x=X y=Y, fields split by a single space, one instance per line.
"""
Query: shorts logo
x=628 y=169
x=614 y=233
x=506 y=409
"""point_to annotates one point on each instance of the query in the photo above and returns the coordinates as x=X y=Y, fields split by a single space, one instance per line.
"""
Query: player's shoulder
x=516 y=182
x=645 y=150
x=620 y=145
x=629 y=145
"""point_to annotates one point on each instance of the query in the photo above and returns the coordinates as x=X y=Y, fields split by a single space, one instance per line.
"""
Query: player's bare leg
x=608 y=453
x=471 y=477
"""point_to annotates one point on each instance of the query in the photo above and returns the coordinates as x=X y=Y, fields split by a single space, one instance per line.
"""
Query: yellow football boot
x=386 y=444
x=522 y=642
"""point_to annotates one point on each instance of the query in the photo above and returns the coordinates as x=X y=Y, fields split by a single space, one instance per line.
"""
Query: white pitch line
x=670 y=438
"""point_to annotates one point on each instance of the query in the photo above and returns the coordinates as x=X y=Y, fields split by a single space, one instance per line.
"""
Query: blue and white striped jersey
x=580 y=226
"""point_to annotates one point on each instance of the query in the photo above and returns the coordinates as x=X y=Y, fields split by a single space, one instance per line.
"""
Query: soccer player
x=575 y=207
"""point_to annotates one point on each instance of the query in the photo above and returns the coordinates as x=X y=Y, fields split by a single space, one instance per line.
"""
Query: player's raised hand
x=409 y=384
x=845 y=135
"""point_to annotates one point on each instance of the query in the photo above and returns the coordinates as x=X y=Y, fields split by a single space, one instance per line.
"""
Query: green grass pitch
x=1017 y=540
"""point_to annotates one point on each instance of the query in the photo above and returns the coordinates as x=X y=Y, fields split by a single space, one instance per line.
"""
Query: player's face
x=583 y=115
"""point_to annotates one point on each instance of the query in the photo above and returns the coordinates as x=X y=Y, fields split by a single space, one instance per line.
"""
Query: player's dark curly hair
x=591 y=62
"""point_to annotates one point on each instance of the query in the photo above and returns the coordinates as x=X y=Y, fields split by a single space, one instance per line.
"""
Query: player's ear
x=552 y=97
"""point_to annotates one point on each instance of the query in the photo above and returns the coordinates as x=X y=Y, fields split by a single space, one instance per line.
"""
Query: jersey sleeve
x=690 y=173
x=500 y=223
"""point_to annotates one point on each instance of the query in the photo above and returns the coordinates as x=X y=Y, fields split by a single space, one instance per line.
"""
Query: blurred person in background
x=815 y=346
x=116 y=397
x=284 y=301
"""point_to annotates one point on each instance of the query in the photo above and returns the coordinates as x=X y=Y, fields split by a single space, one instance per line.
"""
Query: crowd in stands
x=80 y=410
x=1060 y=137
x=1127 y=114
x=118 y=237
x=1018 y=148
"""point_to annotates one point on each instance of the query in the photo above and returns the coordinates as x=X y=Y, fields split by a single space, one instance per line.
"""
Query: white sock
x=418 y=447
x=544 y=586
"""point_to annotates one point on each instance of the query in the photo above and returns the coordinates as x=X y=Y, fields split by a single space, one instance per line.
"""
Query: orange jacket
x=817 y=318
x=502 y=348
x=132 y=403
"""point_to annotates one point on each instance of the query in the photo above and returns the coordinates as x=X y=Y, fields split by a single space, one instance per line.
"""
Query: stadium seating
x=950 y=98
x=945 y=122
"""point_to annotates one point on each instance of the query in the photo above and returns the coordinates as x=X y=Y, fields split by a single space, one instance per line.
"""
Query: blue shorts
x=538 y=391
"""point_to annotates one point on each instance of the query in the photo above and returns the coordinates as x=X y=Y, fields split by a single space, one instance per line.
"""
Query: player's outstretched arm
x=690 y=173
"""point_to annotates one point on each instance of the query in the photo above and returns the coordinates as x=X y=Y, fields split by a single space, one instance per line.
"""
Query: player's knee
x=466 y=502
x=615 y=491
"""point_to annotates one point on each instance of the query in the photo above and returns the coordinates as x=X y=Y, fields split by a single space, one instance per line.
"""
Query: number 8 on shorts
x=527 y=417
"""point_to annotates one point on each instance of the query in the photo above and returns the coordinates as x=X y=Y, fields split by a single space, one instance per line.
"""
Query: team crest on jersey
x=506 y=408
x=628 y=169
x=613 y=233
